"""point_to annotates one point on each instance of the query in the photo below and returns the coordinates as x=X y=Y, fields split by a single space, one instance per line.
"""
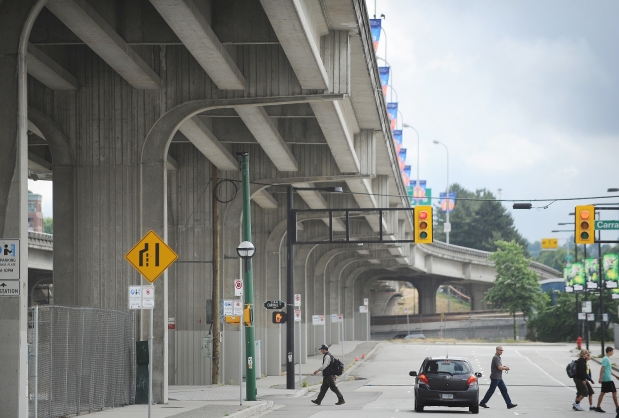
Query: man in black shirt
x=328 y=377
x=496 y=379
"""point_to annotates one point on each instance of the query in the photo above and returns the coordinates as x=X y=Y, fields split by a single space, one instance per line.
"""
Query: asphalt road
x=537 y=382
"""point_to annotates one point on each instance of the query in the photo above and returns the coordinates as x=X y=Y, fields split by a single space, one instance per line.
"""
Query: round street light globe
x=246 y=250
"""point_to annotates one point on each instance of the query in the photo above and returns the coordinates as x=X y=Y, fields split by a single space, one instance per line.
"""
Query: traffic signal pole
x=292 y=230
x=248 y=284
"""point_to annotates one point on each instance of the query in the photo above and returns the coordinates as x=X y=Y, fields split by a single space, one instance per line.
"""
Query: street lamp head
x=435 y=141
x=336 y=189
x=246 y=250
x=613 y=189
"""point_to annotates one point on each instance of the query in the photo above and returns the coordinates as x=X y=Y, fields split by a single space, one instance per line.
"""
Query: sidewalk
x=215 y=401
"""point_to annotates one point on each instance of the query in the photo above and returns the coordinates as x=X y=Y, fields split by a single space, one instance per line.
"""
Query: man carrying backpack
x=328 y=377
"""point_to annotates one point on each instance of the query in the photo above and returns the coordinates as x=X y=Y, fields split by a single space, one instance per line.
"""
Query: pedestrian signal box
x=248 y=317
x=279 y=317
x=423 y=224
x=583 y=218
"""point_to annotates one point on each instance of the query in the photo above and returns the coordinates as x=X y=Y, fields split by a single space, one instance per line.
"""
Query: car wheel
x=474 y=408
x=418 y=406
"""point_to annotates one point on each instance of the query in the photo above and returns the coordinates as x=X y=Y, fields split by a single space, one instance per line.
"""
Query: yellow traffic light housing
x=423 y=224
x=584 y=217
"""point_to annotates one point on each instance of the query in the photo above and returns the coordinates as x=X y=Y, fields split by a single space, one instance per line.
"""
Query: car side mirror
x=478 y=374
x=412 y=373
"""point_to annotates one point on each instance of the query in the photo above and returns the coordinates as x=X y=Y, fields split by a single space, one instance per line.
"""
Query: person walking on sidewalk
x=328 y=377
x=496 y=379
x=580 y=380
x=606 y=379
x=589 y=388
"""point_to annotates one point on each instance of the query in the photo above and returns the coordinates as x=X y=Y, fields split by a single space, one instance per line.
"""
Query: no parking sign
x=238 y=287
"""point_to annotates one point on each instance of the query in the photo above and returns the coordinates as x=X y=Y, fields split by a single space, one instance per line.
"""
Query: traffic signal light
x=423 y=224
x=279 y=317
x=584 y=218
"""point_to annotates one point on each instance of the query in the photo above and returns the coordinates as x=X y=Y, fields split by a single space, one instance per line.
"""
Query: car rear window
x=452 y=366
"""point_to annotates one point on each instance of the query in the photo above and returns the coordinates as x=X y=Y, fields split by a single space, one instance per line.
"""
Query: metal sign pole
x=367 y=336
x=150 y=362
x=343 y=341
x=300 y=353
x=241 y=360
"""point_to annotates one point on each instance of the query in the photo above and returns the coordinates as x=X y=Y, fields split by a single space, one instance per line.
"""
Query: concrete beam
x=90 y=27
x=264 y=130
x=48 y=71
x=339 y=136
x=171 y=164
x=38 y=165
x=298 y=26
x=193 y=30
x=201 y=136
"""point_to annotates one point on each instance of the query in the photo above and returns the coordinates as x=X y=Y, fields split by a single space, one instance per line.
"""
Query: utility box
x=141 y=375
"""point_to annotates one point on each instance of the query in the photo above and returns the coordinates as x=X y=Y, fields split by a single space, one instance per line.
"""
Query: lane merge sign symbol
x=274 y=304
x=151 y=256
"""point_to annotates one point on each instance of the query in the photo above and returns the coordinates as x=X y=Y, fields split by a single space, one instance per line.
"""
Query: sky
x=524 y=94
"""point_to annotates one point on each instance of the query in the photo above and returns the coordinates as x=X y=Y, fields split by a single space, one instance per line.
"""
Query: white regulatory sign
x=297 y=315
x=340 y=317
x=148 y=297
x=315 y=320
x=135 y=297
x=366 y=302
x=9 y=288
x=9 y=261
x=238 y=287
x=227 y=307
x=334 y=318
x=238 y=307
x=297 y=299
x=363 y=309
x=321 y=319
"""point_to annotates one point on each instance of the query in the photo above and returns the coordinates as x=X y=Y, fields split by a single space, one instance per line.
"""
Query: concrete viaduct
x=136 y=110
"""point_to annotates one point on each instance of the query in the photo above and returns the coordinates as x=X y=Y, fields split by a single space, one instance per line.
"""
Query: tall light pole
x=447 y=225
x=404 y=125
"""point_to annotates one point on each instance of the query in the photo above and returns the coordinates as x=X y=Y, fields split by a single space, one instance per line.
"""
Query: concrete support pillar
x=427 y=295
x=477 y=292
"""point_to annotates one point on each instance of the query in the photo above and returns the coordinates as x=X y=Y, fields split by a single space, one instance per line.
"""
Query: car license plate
x=447 y=396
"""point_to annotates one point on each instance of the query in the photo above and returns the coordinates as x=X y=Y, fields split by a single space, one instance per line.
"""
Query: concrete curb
x=252 y=410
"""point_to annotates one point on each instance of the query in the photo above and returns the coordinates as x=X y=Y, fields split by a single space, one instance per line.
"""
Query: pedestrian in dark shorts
x=606 y=374
x=580 y=379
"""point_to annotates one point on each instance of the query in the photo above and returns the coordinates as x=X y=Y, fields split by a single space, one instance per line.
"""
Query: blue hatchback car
x=446 y=381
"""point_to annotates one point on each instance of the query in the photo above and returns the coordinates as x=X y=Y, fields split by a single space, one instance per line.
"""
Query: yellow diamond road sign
x=151 y=256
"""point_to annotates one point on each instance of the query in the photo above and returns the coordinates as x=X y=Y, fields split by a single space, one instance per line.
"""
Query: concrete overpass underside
x=136 y=110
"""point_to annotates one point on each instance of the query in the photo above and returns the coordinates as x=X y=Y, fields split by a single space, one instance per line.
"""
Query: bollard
x=357 y=358
x=362 y=356
x=579 y=342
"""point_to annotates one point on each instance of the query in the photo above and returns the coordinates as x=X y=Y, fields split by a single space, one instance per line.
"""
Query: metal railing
x=80 y=360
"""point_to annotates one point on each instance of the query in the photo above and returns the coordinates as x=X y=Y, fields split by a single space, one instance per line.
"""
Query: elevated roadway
x=136 y=110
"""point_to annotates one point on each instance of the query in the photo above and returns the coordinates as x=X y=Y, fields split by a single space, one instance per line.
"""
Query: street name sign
x=9 y=261
x=274 y=304
x=606 y=225
x=151 y=256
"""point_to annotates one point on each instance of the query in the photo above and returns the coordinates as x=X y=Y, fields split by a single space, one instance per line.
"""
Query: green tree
x=477 y=224
x=516 y=288
x=554 y=322
x=48 y=225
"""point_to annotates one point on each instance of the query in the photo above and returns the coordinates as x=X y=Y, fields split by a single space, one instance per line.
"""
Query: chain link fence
x=80 y=360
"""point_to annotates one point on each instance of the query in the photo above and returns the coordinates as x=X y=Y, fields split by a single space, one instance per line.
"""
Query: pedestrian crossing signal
x=279 y=317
